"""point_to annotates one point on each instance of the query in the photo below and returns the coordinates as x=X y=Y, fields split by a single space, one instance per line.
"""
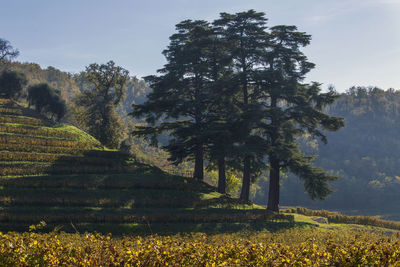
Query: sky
x=354 y=42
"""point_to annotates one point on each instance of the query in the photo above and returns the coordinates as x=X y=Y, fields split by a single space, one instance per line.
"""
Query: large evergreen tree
x=292 y=108
x=235 y=91
x=246 y=34
x=180 y=95
x=221 y=116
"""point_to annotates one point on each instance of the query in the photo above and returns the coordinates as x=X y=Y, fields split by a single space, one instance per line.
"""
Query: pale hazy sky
x=354 y=42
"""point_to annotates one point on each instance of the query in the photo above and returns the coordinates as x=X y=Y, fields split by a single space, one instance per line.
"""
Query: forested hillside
x=365 y=154
x=71 y=84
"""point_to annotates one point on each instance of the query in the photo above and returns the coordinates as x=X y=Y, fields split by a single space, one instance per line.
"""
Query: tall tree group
x=232 y=93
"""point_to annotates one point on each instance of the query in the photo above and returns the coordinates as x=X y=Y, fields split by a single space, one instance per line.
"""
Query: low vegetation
x=287 y=248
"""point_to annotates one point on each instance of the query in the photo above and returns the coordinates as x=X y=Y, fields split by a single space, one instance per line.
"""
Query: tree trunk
x=273 y=194
x=245 y=193
x=198 y=163
x=221 y=176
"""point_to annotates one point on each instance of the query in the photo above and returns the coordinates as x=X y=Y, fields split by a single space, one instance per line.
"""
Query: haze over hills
x=365 y=154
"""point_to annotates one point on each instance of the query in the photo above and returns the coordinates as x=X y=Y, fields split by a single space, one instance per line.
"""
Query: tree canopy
x=12 y=84
x=243 y=100
x=7 y=52
x=47 y=100
x=98 y=101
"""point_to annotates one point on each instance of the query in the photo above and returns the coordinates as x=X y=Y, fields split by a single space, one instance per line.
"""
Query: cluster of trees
x=232 y=93
x=43 y=97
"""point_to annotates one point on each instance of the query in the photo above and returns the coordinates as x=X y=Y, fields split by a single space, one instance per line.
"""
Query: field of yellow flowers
x=299 y=247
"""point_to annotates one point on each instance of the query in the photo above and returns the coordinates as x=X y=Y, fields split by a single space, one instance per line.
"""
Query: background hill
x=365 y=154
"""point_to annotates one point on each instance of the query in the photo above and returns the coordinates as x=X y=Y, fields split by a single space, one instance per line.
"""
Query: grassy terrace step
x=111 y=215
x=118 y=181
x=97 y=152
x=60 y=132
x=110 y=197
x=35 y=168
x=10 y=110
x=33 y=141
x=51 y=138
x=16 y=157
x=6 y=101
x=21 y=120
x=150 y=198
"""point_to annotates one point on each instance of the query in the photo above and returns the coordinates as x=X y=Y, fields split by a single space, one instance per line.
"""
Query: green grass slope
x=63 y=176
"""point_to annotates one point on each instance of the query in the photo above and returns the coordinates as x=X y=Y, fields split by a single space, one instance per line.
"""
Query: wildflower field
x=298 y=247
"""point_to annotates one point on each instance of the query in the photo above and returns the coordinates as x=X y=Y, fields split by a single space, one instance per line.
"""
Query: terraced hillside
x=31 y=145
x=63 y=176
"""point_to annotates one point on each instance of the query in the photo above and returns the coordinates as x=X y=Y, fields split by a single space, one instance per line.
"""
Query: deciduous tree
x=97 y=103
x=7 y=52
x=12 y=84
x=47 y=100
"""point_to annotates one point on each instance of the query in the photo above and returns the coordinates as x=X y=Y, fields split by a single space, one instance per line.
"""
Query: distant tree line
x=232 y=93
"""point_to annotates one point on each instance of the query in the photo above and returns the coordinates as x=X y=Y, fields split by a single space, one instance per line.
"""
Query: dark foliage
x=47 y=100
x=106 y=87
x=12 y=84
x=234 y=90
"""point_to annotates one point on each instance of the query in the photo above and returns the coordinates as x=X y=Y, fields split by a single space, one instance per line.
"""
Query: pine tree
x=246 y=33
x=180 y=96
x=292 y=108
